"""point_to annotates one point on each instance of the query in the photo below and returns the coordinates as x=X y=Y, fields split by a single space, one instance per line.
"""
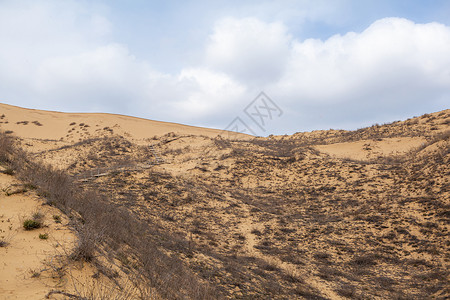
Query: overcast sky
x=339 y=64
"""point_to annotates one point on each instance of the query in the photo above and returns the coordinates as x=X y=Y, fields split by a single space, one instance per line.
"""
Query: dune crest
x=73 y=127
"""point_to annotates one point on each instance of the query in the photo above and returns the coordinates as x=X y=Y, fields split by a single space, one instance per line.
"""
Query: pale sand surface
x=369 y=149
x=56 y=125
x=26 y=253
x=28 y=263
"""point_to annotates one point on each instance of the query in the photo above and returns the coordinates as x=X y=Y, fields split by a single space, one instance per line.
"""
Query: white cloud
x=393 y=67
x=107 y=74
x=249 y=50
x=38 y=35
x=209 y=92
x=101 y=25
x=61 y=55
x=390 y=53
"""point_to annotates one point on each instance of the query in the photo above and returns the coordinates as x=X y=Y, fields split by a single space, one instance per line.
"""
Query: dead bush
x=99 y=222
x=88 y=241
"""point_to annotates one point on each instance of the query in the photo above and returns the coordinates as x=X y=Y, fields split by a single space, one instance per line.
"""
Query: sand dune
x=72 y=127
x=329 y=214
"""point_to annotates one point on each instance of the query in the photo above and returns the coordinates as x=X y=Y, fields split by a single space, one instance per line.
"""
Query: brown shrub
x=101 y=223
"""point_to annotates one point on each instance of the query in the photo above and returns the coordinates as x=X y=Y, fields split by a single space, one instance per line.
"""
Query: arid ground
x=137 y=209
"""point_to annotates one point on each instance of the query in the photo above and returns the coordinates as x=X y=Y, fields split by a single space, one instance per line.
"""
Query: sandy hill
x=330 y=214
x=74 y=127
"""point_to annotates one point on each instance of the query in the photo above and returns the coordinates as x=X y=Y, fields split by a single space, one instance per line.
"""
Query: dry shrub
x=88 y=240
x=34 y=222
x=5 y=240
x=30 y=224
x=101 y=223
x=347 y=291
x=6 y=147
x=365 y=260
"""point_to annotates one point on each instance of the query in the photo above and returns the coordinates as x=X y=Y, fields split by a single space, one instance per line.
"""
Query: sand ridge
x=73 y=127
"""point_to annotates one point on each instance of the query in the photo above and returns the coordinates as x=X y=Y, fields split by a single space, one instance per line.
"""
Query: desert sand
x=327 y=214
x=73 y=127
x=33 y=262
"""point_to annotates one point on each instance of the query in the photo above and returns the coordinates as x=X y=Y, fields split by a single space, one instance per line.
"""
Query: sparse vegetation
x=262 y=218
x=30 y=224
x=43 y=236
x=34 y=222
x=3 y=242
x=100 y=222
x=8 y=171
x=35 y=273
x=57 y=218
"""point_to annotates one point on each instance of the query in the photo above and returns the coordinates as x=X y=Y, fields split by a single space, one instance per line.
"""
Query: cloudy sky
x=339 y=64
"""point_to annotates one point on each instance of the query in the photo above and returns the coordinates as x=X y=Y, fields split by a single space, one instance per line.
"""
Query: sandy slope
x=26 y=254
x=370 y=149
x=31 y=267
x=39 y=124
x=278 y=215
